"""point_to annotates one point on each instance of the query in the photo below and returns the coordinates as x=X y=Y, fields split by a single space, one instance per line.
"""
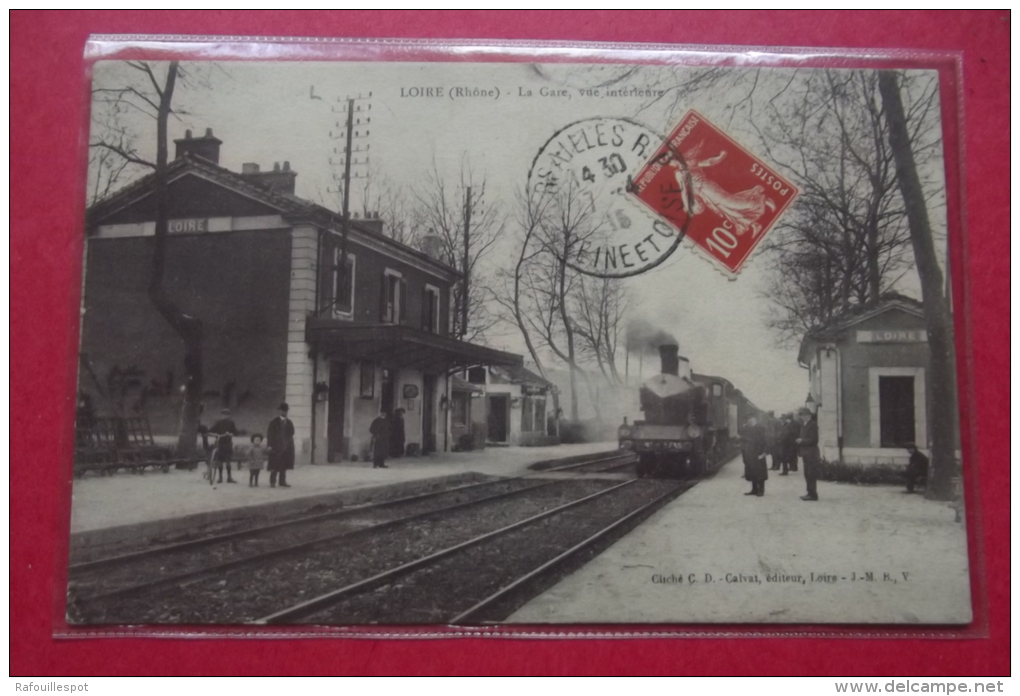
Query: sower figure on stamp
x=917 y=468
x=808 y=446
x=380 y=430
x=226 y=430
x=756 y=470
x=280 y=447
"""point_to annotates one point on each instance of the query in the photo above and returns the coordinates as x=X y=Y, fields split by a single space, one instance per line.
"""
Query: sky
x=267 y=113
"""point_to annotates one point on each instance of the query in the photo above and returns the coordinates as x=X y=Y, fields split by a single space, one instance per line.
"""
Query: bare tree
x=510 y=291
x=465 y=228
x=846 y=240
x=154 y=97
x=547 y=283
x=936 y=310
x=599 y=306
x=380 y=195
x=576 y=318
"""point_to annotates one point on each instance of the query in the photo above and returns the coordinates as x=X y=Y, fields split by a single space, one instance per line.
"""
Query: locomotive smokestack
x=669 y=354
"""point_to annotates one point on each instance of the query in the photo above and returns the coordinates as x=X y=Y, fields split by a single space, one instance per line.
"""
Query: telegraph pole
x=347 y=193
x=355 y=127
x=467 y=272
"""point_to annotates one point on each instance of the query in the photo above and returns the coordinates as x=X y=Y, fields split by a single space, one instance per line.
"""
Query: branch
x=123 y=153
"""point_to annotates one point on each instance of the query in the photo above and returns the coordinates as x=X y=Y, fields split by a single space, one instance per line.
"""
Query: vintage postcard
x=557 y=342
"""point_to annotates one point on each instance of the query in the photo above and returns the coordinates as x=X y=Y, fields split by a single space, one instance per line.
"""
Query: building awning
x=400 y=346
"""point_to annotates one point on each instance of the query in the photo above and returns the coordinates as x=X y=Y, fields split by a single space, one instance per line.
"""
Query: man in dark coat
x=917 y=468
x=789 y=433
x=398 y=436
x=380 y=430
x=807 y=444
x=226 y=430
x=280 y=447
x=753 y=449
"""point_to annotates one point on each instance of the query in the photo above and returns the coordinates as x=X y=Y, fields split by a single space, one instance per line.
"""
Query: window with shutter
x=430 y=309
x=402 y=300
x=343 y=284
x=394 y=297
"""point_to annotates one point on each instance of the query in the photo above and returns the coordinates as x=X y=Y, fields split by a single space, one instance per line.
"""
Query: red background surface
x=47 y=102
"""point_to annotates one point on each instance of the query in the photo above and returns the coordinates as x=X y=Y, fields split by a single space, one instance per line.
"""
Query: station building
x=519 y=405
x=869 y=381
x=260 y=267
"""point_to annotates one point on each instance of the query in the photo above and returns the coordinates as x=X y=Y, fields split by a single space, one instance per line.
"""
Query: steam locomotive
x=690 y=424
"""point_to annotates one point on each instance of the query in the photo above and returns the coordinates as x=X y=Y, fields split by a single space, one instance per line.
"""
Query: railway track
x=461 y=584
x=186 y=582
x=602 y=463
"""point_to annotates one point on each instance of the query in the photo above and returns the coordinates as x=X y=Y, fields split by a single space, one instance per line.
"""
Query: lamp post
x=810 y=403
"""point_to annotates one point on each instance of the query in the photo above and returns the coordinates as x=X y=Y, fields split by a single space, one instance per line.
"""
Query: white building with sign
x=869 y=382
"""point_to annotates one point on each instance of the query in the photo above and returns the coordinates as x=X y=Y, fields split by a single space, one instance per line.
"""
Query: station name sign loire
x=189 y=225
x=901 y=336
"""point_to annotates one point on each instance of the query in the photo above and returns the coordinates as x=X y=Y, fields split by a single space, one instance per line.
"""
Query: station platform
x=125 y=499
x=861 y=554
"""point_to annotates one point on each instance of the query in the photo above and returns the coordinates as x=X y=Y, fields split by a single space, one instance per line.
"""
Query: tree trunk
x=568 y=329
x=518 y=312
x=936 y=312
x=187 y=327
x=874 y=273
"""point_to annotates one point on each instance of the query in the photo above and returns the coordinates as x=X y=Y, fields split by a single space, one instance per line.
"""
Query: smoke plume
x=644 y=337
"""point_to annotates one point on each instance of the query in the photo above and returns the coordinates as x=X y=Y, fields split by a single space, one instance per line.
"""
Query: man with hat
x=807 y=443
x=280 y=447
x=224 y=449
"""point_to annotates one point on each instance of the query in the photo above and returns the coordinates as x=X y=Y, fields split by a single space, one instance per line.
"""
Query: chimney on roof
x=280 y=179
x=432 y=245
x=207 y=147
x=371 y=222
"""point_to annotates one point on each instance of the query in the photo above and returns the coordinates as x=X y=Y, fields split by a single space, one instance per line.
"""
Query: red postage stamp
x=700 y=180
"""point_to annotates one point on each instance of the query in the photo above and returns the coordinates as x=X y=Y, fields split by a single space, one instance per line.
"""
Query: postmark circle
x=580 y=181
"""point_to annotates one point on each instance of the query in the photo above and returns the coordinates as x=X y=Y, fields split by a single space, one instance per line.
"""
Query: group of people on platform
x=276 y=450
x=785 y=439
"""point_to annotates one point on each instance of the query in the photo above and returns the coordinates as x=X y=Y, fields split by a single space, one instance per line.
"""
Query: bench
x=107 y=445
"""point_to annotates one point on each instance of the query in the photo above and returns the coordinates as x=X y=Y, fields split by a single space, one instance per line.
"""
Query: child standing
x=256 y=459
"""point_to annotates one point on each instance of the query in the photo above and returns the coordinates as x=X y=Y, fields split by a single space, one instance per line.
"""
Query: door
x=428 y=419
x=896 y=411
x=337 y=404
x=387 y=392
x=497 y=418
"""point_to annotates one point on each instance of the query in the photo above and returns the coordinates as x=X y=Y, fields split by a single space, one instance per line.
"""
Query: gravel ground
x=247 y=593
x=439 y=592
x=173 y=563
